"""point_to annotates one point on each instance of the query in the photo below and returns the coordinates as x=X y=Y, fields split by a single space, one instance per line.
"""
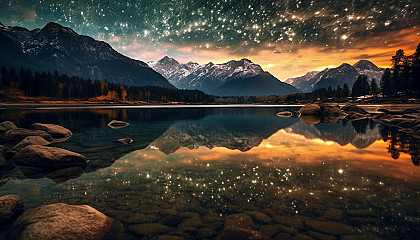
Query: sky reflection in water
x=230 y=162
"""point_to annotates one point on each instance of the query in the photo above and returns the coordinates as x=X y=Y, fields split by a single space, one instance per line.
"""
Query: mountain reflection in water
x=209 y=163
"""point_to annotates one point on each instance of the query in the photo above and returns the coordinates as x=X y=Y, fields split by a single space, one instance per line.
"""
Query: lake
x=191 y=171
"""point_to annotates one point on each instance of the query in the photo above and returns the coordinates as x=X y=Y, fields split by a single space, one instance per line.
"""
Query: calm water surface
x=191 y=168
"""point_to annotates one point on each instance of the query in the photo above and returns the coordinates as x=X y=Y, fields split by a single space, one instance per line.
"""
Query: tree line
x=62 y=86
x=403 y=78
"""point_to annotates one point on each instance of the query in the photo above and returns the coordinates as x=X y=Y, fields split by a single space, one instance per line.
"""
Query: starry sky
x=287 y=38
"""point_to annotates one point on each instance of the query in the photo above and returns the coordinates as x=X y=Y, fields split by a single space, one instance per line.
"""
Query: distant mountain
x=233 y=78
x=368 y=68
x=263 y=84
x=344 y=74
x=55 y=47
x=304 y=83
x=172 y=70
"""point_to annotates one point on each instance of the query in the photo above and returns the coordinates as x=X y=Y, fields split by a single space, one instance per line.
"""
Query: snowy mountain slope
x=62 y=49
x=344 y=74
x=206 y=77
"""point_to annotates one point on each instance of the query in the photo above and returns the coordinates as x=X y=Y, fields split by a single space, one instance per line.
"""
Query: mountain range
x=334 y=77
x=55 y=47
x=233 y=78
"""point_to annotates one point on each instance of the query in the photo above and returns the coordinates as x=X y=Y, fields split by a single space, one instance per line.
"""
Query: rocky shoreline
x=403 y=119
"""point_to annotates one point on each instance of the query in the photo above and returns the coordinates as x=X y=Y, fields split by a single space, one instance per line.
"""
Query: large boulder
x=352 y=108
x=310 y=109
x=330 y=110
x=56 y=131
x=60 y=221
x=10 y=207
x=48 y=157
x=30 y=140
x=6 y=126
x=18 y=134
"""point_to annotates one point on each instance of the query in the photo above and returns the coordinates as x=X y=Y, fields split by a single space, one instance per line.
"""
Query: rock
x=320 y=236
x=283 y=236
x=57 y=175
x=361 y=213
x=302 y=237
x=355 y=116
x=293 y=222
x=239 y=233
x=351 y=108
x=60 y=221
x=330 y=109
x=334 y=214
x=10 y=207
x=6 y=126
x=171 y=220
x=150 y=229
x=286 y=229
x=239 y=220
x=3 y=154
x=169 y=237
x=143 y=218
x=363 y=220
x=48 y=157
x=310 y=109
x=268 y=230
x=332 y=228
x=18 y=134
x=191 y=222
x=126 y=140
x=206 y=233
x=285 y=114
x=30 y=140
x=115 y=124
x=56 y=131
x=309 y=119
x=259 y=216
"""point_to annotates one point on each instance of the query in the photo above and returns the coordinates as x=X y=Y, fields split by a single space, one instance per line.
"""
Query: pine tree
x=373 y=87
x=360 y=87
x=346 y=90
x=386 y=83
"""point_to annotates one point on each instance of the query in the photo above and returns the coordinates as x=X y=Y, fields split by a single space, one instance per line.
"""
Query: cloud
x=29 y=15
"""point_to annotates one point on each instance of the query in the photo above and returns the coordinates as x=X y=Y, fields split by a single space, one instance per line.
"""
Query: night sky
x=287 y=38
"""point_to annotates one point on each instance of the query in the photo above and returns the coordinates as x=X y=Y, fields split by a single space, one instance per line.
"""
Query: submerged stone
x=48 y=157
x=56 y=131
x=150 y=229
x=10 y=207
x=18 y=134
x=60 y=221
x=30 y=140
x=115 y=124
x=239 y=233
x=332 y=228
x=239 y=220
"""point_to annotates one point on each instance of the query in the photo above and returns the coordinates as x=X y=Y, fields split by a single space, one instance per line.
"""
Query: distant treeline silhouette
x=62 y=86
